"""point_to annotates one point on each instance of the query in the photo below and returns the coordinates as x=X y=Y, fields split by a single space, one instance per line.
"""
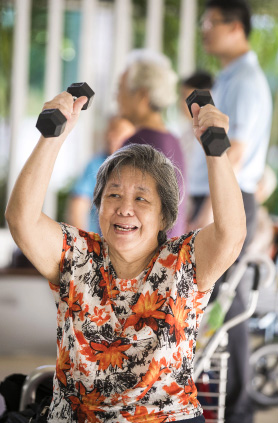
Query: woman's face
x=130 y=213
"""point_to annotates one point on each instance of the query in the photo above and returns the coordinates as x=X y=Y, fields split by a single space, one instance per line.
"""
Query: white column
x=86 y=73
x=53 y=72
x=122 y=43
x=123 y=31
x=154 y=25
x=186 y=51
x=19 y=85
x=55 y=28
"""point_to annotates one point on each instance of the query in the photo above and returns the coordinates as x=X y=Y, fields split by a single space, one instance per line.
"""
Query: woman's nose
x=125 y=208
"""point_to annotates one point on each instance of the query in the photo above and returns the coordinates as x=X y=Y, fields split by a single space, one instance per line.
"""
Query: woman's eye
x=114 y=195
x=140 y=199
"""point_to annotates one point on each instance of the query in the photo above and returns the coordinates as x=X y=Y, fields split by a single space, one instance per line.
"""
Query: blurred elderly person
x=147 y=87
x=130 y=302
x=80 y=210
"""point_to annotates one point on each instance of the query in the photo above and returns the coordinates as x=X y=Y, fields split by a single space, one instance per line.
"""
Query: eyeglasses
x=207 y=24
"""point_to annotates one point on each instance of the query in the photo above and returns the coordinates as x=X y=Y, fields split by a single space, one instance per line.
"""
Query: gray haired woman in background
x=130 y=302
x=147 y=87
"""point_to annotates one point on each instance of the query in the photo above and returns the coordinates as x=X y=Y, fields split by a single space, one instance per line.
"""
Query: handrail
x=230 y=285
x=32 y=381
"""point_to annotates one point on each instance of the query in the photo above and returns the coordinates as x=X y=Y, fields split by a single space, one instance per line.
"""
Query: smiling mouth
x=125 y=228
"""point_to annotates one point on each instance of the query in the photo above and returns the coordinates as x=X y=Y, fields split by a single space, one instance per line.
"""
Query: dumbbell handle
x=214 y=140
x=51 y=122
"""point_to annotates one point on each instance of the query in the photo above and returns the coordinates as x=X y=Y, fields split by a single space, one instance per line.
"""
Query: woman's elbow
x=238 y=236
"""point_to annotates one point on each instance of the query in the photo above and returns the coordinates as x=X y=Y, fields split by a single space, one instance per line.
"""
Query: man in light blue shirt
x=240 y=91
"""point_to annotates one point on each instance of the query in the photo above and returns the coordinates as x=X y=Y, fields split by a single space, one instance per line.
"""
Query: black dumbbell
x=52 y=122
x=214 y=140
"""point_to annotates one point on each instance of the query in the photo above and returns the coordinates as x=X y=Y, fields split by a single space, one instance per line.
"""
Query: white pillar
x=186 y=51
x=53 y=72
x=86 y=73
x=55 y=28
x=122 y=42
x=154 y=25
x=123 y=32
x=19 y=85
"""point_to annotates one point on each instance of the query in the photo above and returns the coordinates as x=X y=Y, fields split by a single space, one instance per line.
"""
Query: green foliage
x=139 y=23
x=272 y=203
x=62 y=201
x=6 y=42
x=171 y=30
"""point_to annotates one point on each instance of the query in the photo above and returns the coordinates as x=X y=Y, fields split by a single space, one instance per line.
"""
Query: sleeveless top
x=125 y=348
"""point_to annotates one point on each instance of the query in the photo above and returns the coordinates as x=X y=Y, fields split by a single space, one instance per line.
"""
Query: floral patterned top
x=125 y=347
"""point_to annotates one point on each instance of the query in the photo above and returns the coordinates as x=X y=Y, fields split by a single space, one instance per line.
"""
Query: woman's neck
x=129 y=268
x=151 y=120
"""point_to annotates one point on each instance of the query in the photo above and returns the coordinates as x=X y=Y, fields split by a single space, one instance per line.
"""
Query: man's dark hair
x=233 y=10
x=200 y=80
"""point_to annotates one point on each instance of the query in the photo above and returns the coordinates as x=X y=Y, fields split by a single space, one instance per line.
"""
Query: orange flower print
x=189 y=394
x=184 y=256
x=178 y=320
x=100 y=316
x=93 y=241
x=177 y=356
x=108 y=354
x=86 y=406
x=169 y=261
x=109 y=285
x=146 y=311
x=197 y=305
x=74 y=300
x=186 y=395
x=153 y=374
x=141 y=415
x=62 y=365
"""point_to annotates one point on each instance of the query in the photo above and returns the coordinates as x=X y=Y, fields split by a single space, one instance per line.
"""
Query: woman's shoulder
x=73 y=236
x=183 y=245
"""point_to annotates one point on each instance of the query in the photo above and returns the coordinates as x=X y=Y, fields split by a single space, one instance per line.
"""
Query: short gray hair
x=153 y=72
x=156 y=164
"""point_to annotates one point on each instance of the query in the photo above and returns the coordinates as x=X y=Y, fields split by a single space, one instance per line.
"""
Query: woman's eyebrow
x=143 y=189
x=112 y=185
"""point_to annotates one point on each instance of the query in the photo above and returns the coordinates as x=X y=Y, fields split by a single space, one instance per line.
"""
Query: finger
x=79 y=103
x=63 y=102
x=195 y=109
x=213 y=119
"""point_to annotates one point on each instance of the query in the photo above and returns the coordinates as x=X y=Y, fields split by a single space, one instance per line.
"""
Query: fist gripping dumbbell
x=214 y=140
x=52 y=122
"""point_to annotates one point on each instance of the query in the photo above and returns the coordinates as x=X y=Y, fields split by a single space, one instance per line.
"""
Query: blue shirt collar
x=248 y=58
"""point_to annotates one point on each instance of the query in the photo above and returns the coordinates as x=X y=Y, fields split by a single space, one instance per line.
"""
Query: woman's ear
x=162 y=223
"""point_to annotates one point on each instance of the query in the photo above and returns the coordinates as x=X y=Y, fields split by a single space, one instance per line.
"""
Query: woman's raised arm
x=218 y=245
x=38 y=236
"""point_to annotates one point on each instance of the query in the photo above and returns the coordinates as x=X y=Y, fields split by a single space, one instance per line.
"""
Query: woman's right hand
x=207 y=116
x=68 y=107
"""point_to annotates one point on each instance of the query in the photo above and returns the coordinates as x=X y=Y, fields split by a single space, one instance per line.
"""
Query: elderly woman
x=129 y=303
x=147 y=88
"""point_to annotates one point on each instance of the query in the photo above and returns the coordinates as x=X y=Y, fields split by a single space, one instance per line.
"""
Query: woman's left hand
x=206 y=116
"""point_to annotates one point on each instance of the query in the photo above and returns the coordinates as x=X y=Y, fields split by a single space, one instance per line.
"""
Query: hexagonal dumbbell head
x=79 y=89
x=215 y=141
x=51 y=123
x=201 y=97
